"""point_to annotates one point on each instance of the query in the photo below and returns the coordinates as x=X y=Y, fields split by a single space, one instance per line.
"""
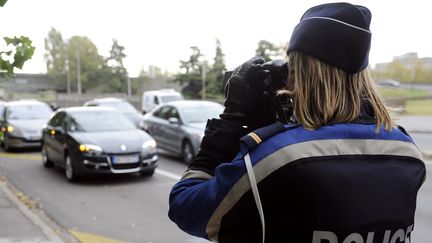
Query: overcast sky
x=160 y=32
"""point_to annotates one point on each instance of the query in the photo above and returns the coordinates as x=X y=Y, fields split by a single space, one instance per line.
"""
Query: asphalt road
x=423 y=218
x=126 y=208
x=132 y=208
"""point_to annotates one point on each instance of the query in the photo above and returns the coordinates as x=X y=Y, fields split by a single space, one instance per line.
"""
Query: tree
x=193 y=64
x=269 y=50
x=117 y=81
x=62 y=58
x=97 y=73
x=16 y=56
x=216 y=74
x=81 y=49
x=422 y=73
x=55 y=57
x=415 y=71
x=398 y=71
x=192 y=74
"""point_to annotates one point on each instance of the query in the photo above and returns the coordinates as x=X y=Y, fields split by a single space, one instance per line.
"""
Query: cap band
x=341 y=22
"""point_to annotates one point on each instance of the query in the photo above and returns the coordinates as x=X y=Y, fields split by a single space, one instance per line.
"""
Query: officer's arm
x=220 y=144
x=194 y=198
x=243 y=97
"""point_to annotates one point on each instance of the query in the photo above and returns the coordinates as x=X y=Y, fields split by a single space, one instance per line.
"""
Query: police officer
x=343 y=173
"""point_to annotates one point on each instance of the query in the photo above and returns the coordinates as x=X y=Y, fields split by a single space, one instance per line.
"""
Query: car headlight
x=149 y=147
x=11 y=130
x=90 y=149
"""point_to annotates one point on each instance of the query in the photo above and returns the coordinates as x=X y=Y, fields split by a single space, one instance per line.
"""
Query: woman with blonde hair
x=343 y=172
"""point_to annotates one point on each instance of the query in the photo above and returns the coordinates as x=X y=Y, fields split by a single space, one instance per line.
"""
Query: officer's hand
x=244 y=94
x=221 y=140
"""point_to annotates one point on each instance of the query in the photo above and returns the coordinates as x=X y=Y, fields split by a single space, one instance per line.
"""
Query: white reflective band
x=255 y=192
x=341 y=22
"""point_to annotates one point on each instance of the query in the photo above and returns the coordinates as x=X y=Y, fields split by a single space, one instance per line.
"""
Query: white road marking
x=168 y=174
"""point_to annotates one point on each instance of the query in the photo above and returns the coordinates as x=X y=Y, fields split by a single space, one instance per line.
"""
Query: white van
x=152 y=98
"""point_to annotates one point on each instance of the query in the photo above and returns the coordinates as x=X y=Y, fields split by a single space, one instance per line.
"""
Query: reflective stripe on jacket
x=339 y=183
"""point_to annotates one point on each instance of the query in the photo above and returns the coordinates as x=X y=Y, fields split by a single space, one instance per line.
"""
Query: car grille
x=120 y=162
x=125 y=166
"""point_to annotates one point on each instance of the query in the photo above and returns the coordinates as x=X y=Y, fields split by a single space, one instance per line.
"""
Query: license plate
x=125 y=159
x=35 y=138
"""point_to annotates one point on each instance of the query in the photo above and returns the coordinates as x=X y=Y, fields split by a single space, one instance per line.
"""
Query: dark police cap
x=336 y=33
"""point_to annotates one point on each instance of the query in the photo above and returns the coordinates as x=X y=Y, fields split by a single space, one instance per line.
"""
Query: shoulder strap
x=254 y=187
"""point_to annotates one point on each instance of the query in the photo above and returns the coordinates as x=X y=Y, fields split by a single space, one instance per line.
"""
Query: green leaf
x=23 y=51
x=6 y=66
x=7 y=53
x=12 y=41
x=2 y=2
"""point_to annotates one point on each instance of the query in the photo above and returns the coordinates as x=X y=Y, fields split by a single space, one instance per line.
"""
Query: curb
x=51 y=234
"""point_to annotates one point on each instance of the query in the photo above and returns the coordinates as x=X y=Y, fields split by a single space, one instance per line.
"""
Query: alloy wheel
x=187 y=152
x=69 y=171
x=45 y=160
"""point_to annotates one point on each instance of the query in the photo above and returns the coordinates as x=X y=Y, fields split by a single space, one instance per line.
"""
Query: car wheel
x=69 y=169
x=147 y=172
x=187 y=152
x=45 y=160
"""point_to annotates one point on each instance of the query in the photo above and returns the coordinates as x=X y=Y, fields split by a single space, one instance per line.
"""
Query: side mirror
x=174 y=120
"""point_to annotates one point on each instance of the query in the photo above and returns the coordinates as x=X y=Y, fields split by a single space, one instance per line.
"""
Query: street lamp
x=203 y=78
x=68 y=84
x=78 y=71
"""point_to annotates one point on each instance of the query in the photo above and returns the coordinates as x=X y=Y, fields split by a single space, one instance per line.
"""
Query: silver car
x=178 y=126
x=119 y=104
x=22 y=122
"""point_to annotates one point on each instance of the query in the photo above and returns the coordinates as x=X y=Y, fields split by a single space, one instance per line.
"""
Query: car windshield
x=201 y=113
x=99 y=121
x=168 y=98
x=123 y=107
x=28 y=112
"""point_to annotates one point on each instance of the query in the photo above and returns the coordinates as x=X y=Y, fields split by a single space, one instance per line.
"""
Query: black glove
x=221 y=142
x=246 y=100
x=246 y=109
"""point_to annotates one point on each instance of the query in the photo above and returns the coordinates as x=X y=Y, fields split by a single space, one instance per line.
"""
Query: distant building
x=408 y=60
x=427 y=62
x=26 y=83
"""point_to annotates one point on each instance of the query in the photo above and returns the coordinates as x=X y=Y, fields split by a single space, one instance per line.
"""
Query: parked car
x=389 y=82
x=88 y=140
x=178 y=126
x=119 y=104
x=2 y=106
x=21 y=123
x=153 y=98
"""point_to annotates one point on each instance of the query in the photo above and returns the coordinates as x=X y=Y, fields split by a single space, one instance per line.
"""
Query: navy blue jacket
x=339 y=183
